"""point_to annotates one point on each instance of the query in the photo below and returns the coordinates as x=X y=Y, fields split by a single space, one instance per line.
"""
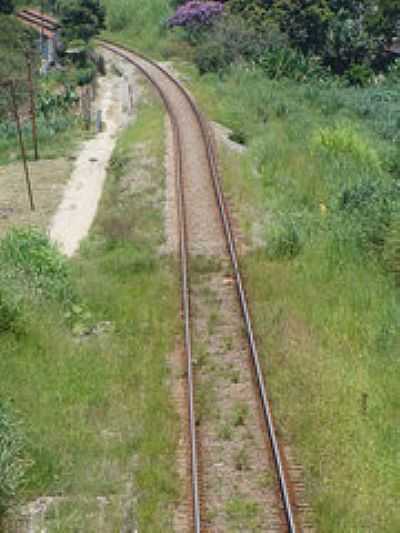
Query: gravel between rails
x=237 y=479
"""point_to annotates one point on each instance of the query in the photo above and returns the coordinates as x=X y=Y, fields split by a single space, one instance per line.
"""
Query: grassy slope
x=97 y=412
x=327 y=320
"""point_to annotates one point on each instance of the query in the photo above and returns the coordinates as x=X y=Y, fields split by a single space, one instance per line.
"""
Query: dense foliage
x=346 y=37
x=81 y=19
x=6 y=6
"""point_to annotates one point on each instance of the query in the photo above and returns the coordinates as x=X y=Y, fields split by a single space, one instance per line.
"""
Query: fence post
x=33 y=109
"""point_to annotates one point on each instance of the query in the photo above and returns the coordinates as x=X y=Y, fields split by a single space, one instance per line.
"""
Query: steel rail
x=37 y=20
x=42 y=16
x=186 y=300
x=283 y=478
x=184 y=260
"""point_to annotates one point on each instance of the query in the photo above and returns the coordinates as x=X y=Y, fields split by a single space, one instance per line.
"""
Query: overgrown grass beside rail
x=90 y=379
x=317 y=197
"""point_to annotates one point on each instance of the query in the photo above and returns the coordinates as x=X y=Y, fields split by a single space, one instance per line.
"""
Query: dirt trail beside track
x=82 y=194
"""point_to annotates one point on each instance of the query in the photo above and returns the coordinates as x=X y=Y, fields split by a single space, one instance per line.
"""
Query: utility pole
x=41 y=29
x=33 y=107
x=11 y=85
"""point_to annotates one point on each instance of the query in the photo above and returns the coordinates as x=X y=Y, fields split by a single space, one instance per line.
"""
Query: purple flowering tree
x=195 y=14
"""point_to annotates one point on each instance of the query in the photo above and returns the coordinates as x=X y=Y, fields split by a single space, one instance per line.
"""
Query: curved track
x=204 y=166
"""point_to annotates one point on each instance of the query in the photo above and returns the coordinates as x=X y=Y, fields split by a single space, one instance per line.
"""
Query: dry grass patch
x=48 y=180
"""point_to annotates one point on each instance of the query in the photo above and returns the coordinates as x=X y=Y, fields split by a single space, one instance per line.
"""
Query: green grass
x=311 y=194
x=94 y=399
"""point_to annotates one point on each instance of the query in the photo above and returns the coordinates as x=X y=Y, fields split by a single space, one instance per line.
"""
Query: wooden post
x=41 y=30
x=21 y=143
x=33 y=108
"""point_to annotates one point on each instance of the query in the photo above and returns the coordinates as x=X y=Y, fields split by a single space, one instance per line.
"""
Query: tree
x=386 y=19
x=7 y=6
x=15 y=40
x=344 y=33
x=81 y=19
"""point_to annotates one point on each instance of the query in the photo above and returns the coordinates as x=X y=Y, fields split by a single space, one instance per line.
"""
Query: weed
x=235 y=376
x=243 y=514
x=283 y=239
x=225 y=432
x=212 y=322
x=228 y=342
x=241 y=459
x=240 y=414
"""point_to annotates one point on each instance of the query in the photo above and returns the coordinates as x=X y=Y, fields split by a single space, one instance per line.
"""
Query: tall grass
x=91 y=381
x=136 y=23
x=318 y=187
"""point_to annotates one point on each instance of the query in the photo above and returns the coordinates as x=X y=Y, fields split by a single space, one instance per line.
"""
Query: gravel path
x=77 y=210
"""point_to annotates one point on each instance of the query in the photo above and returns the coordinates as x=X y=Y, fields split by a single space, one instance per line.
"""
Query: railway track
x=183 y=112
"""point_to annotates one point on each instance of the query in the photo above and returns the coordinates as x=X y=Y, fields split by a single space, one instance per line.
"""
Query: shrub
x=231 y=39
x=360 y=75
x=284 y=62
x=85 y=75
x=28 y=256
x=12 y=457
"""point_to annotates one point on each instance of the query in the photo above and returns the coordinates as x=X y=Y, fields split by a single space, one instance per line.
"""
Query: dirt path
x=77 y=210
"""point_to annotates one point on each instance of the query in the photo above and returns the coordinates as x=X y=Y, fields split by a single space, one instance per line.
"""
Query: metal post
x=33 y=108
x=99 y=122
x=21 y=143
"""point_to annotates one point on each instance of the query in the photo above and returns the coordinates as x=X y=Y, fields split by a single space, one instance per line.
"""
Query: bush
x=231 y=39
x=12 y=457
x=360 y=75
x=85 y=75
x=284 y=62
x=30 y=258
